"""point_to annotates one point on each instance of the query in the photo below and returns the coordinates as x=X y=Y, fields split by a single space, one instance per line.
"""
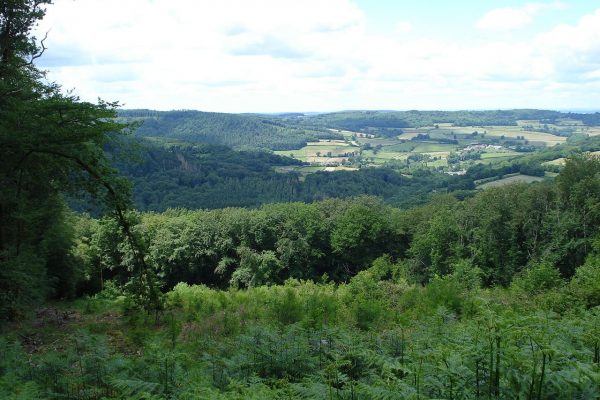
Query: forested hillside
x=233 y=130
x=178 y=174
x=379 y=120
x=293 y=131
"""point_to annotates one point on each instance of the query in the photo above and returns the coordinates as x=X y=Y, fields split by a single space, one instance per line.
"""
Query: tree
x=51 y=145
x=579 y=188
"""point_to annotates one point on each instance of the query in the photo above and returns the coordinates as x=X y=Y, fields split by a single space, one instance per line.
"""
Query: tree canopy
x=52 y=144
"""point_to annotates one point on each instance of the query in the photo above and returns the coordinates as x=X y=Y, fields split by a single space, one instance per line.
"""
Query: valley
x=305 y=157
x=246 y=252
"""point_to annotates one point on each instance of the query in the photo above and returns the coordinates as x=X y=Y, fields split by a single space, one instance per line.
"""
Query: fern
x=137 y=389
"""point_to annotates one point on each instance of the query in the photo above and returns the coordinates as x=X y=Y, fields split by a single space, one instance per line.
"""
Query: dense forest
x=233 y=130
x=458 y=294
x=211 y=176
x=499 y=232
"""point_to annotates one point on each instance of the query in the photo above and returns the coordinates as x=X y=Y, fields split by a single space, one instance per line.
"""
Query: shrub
x=366 y=312
x=467 y=275
x=586 y=282
x=287 y=308
x=321 y=305
x=538 y=278
x=443 y=291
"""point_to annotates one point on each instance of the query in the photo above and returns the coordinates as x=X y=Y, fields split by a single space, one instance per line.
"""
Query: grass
x=433 y=147
x=512 y=132
x=401 y=147
x=339 y=168
x=592 y=131
x=328 y=144
x=385 y=155
x=410 y=133
x=500 y=154
x=558 y=161
x=309 y=153
x=561 y=161
x=519 y=178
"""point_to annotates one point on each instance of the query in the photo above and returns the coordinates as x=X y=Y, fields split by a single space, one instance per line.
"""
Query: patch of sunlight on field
x=429 y=147
x=437 y=163
x=511 y=179
x=320 y=149
x=408 y=134
x=328 y=143
x=384 y=155
x=592 y=130
x=499 y=154
x=514 y=132
x=559 y=161
x=339 y=168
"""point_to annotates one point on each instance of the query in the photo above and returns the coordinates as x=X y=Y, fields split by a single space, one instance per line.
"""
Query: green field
x=500 y=154
x=434 y=147
x=511 y=179
x=431 y=146
x=559 y=161
x=321 y=152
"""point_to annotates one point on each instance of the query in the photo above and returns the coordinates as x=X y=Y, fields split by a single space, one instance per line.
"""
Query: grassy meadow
x=431 y=146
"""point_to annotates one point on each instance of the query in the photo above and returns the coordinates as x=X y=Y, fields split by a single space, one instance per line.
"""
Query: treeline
x=233 y=130
x=382 y=121
x=499 y=233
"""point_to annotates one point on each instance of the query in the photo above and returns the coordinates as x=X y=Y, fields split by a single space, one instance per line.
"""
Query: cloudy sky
x=325 y=55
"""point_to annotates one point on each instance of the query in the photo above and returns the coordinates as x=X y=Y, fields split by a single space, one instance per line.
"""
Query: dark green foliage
x=531 y=231
x=51 y=144
x=248 y=248
x=23 y=284
x=586 y=281
x=233 y=130
x=207 y=176
x=538 y=278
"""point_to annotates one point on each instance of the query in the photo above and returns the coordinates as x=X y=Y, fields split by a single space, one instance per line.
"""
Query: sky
x=326 y=55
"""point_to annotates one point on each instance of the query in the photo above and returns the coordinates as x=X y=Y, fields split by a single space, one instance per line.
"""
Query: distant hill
x=291 y=131
x=239 y=131
x=381 y=120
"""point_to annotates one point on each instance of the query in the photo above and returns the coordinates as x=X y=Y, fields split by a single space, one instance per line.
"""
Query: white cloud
x=509 y=18
x=572 y=50
x=283 y=55
x=404 y=27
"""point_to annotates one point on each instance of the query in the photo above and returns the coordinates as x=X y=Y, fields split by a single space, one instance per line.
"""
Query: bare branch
x=41 y=52
x=119 y=208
